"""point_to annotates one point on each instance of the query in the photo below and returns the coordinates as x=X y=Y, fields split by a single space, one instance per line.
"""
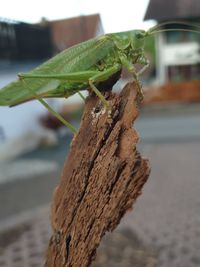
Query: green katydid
x=95 y=64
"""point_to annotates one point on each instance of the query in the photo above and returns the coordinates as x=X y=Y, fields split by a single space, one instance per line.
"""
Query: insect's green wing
x=77 y=58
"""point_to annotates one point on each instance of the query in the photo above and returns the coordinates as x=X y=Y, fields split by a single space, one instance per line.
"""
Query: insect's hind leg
x=102 y=76
x=57 y=115
x=82 y=96
x=102 y=98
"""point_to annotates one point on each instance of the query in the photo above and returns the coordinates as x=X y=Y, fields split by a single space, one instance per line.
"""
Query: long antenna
x=174 y=22
x=175 y=29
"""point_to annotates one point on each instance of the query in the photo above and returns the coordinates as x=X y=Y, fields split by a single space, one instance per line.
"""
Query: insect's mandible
x=94 y=65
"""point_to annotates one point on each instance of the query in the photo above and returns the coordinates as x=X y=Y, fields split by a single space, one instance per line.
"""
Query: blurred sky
x=116 y=15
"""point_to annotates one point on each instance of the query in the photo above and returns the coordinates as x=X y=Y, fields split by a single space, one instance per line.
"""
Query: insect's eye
x=139 y=35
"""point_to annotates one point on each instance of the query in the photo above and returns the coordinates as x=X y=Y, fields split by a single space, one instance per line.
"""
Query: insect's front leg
x=138 y=83
x=127 y=64
x=143 y=61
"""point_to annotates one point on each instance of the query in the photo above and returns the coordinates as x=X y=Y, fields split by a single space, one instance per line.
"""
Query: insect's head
x=137 y=38
x=140 y=34
x=130 y=39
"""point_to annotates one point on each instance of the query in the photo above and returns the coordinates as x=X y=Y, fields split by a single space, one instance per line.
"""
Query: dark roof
x=68 y=32
x=24 y=41
x=162 y=10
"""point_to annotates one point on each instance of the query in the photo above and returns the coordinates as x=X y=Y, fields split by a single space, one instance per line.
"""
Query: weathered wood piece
x=102 y=177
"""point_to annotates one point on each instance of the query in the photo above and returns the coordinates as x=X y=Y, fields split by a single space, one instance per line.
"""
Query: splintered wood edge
x=101 y=179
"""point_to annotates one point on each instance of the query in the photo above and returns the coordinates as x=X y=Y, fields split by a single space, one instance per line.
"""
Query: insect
x=95 y=65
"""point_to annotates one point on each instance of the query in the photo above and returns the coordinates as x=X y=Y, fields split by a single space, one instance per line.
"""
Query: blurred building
x=68 y=32
x=23 y=46
x=178 y=52
x=21 y=41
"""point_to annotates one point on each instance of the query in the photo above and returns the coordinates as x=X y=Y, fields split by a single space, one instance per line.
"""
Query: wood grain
x=102 y=177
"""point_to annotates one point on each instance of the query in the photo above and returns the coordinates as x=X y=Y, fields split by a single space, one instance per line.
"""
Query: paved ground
x=169 y=123
x=25 y=245
x=166 y=217
x=28 y=182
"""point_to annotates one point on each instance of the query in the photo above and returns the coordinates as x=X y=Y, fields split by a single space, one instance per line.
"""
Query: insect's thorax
x=133 y=55
x=128 y=45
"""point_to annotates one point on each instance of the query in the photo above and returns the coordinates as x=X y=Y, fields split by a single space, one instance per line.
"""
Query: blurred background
x=164 y=227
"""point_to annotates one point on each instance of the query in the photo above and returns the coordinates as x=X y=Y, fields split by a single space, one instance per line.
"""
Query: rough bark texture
x=102 y=177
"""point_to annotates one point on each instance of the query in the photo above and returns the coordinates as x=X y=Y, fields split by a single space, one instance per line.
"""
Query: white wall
x=175 y=54
x=20 y=119
x=161 y=70
x=19 y=126
x=181 y=54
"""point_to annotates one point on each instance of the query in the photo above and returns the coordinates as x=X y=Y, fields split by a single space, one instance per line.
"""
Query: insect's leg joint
x=20 y=76
x=102 y=98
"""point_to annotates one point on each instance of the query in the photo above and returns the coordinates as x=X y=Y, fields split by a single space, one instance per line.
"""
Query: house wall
x=20 y=129
x=161 y=72
x=68 y=32
x=180 y=58
x=23 y=41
